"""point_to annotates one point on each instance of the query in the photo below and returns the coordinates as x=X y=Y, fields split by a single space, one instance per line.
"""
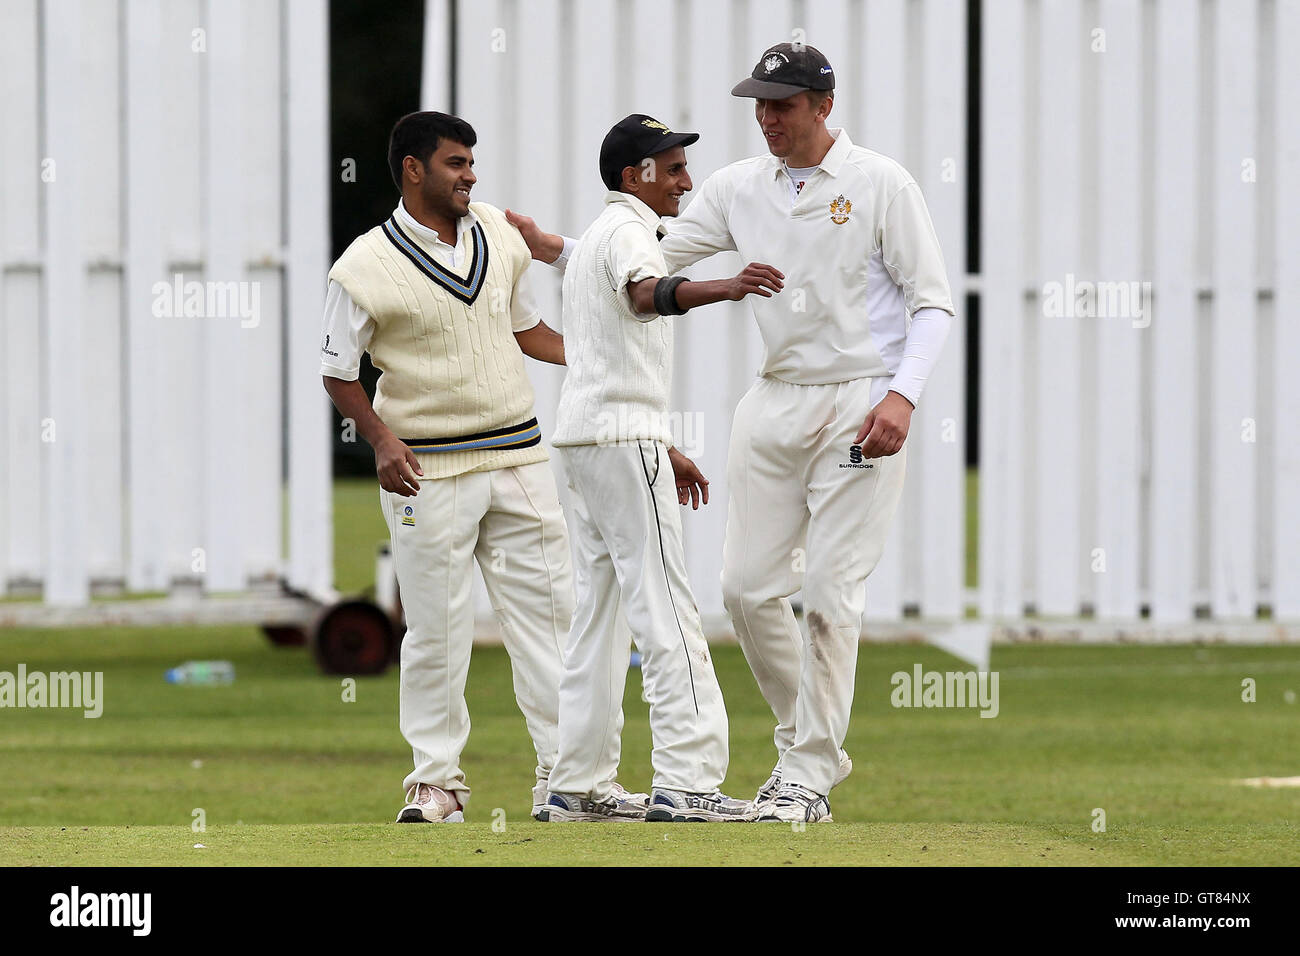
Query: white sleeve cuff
x=925 y=338
x=343 y=374
x=562 y=260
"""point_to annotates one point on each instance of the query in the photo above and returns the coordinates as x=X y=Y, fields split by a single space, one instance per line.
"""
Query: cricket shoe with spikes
x=796 y=804
x=572 y=808
x=429 y=804
x=768 y=790
x=678 y=806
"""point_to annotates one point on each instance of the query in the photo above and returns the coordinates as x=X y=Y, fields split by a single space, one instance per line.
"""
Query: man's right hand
x=544 y=246
x=755 y=278
x=397 y=467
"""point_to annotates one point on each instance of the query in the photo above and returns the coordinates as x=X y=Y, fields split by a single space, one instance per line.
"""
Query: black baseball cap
x=784 y=70
x=632 y=139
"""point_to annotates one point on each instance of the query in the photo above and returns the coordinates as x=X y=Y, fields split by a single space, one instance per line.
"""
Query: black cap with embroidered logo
x=632 y=139
x=786 y=69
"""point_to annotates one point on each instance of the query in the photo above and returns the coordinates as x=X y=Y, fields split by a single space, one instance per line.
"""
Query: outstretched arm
x=542 y=343
x=755 y=279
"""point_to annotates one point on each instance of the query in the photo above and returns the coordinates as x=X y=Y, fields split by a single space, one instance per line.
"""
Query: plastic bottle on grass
x=202 y=673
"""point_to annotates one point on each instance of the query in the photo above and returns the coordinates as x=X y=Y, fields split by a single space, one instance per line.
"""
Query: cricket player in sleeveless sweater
x=612 y=431
x=817 y=453
x=438 y=295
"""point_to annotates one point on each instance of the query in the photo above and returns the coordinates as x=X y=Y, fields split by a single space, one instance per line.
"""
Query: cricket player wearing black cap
x=613 y=434
x=817 y=452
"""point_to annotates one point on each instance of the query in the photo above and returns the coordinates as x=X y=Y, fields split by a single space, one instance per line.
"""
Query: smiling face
x=443 y=184
x=792 y=126
x=660 y=181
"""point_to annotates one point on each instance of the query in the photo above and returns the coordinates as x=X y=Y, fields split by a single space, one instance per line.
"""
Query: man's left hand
x=885 y=429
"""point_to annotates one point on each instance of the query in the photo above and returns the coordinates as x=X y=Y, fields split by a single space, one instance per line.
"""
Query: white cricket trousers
x=509 y=520
x=805 y=511
x=628 y=540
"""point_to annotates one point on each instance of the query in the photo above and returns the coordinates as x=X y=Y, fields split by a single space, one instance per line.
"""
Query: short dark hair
x=417 y=134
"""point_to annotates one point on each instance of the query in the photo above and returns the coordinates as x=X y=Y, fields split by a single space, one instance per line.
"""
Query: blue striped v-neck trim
x=466 y=288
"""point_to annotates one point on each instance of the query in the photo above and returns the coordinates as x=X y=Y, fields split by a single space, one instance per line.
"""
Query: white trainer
x=768 y=790
x=573 y=808
x=678 y=806
x=796 y=804
x=631 y=802
x=429 y=804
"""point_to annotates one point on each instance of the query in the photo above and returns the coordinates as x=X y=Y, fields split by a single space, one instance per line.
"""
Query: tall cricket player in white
x=817 y=452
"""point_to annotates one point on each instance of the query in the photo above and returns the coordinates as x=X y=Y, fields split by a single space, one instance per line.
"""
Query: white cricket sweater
x=620 y=363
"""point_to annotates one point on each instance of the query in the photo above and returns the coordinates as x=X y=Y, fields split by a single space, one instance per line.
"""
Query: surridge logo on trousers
x=855 y=459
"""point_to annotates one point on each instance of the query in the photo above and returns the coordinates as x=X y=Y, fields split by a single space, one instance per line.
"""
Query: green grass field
x=287 y=772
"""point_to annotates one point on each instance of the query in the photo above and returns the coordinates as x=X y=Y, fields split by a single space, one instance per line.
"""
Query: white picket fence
x=1146 y=459
x=146 y=441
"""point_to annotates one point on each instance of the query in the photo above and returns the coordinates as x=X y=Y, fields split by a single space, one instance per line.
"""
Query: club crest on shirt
x=840 y=209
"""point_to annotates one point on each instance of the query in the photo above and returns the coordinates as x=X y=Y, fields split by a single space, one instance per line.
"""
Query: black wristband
x=666 y=296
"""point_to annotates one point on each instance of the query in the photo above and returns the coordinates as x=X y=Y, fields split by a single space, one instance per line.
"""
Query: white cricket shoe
x=678 y=806
x=640 y=802
x=636 y=802
x=768 y=790
x=429 y=804
x=574 y=808
x=796 y=804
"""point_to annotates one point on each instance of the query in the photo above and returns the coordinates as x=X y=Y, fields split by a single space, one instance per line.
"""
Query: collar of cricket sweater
x=425 y=234
x=830 y=163
x=644 y=212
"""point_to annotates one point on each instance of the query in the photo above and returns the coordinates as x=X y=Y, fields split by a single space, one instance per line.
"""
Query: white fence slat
x=881 y=90
x=261 y=458
x=594 y=112
x=940 y=421
x=884 y=97
x=1286 y=302
x=311 y=544
x=652 y=80
x=21 y=498
x=1058 y=549
x=25 y=500
x=224 y=372
x=143 y=266
x=435 y=85
x=1002 y=348
x=67 y=470
x=1121 y=337
x=1171 y=522
x=102 y=234
x=176 y=337
x=1233 y=335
